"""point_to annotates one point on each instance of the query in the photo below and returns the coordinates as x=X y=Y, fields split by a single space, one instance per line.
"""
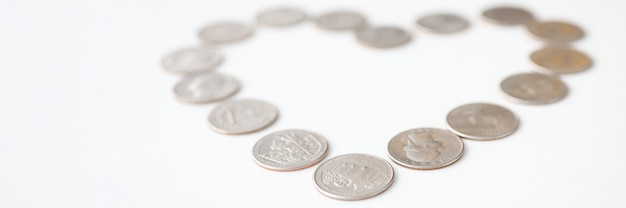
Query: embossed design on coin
x=560 y=60
x=281 y=16
x=482 y=121
x=555 y=31
x=425 y=148
x=289 y=150
x=242 y=116
x=442 y=23
x=353 y=177
x=192 y=60
x=533 y=88
x=206 y=88
x=225 y=32
x=341 y=21
x=383 y=37
x=508 y=16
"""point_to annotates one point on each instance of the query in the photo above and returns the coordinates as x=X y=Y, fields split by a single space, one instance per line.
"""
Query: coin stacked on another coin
x=359 y=176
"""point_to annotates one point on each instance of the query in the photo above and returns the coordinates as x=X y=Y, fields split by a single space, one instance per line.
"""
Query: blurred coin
x=425 y=148
x=533 y=88
x=206 y=88
x=289 y=150
x=192 y=60
x=508 y=16
x=225 y=32
x=353 y=177
x=341 y=21
x=560 y=60
x=280 y=17
x=442 y=23
x=555 y=31
x=482 y=121
x=383 y=37
x=242 y=116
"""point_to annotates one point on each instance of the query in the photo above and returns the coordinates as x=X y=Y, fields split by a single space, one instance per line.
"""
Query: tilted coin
x=206 y=88
x=555 y=31
x=560 y=60
x=442 y=23
x=289 y=150
x=533 y=88
x=508 y=16
x=341 y=21
x=242 y=116
x=383 y=37
x=425 y=148
x=482 y=121
x=192 y=60
x=281 y=16
x=353 y=177
x=225 y=32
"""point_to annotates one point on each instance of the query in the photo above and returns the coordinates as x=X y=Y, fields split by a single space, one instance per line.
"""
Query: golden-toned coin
x=560 y=60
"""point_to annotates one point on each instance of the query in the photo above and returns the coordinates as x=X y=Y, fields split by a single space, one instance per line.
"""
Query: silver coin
x=555 y=31
x=482 y=121
x=533 y=88
x=192 y=60
x=281 y=16
x=442 y=23
x=242 y=116
x=425 y=148
x=508 y=16
x=560 y=60
x=353 y=177
x=341 y=21
x=289 y=150
x=383 y=37
x=225 y=32
x=206 y=88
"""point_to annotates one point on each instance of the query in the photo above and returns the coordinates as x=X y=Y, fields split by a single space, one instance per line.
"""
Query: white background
x=88 y=118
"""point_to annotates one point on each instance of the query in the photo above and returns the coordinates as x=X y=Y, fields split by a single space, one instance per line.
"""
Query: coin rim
x=479 y=138
x=505 y=23
x=428 y=29
x=218 y=62
x=546 y=70
x=249 y=32
x=405 y=41
x=256 y=147
x=397 y=160
x=302 y=18
x=222 y=131
x=532 y=32
x=358 y=27
x=206 y=101
x=529 y=102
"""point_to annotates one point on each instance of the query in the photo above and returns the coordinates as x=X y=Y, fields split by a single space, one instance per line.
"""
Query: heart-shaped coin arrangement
x=360 y=176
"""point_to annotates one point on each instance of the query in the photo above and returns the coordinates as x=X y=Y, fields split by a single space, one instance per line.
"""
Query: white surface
x=88 y=118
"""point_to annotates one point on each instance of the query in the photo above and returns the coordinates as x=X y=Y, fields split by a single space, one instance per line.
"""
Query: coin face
x=225 y=32
x=206 y=88
x=242 y=116
x=425 y=148
x=560 y=60
x=192 y=60
x=533 y=88
x=482 y=121
x=289 y=150
x=281 y=16
x=353 y=177
x=555 y=31
x=442 y=23
x=508 y=16
x=341 y=21
x=383 y=37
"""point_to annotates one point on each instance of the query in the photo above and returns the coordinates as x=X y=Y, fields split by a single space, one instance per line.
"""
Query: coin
x=353 y=177
x=289 y=150
x=560 y=60
x=508 y=16
x=442 y=23
x=555 y=31
x=341 y=21
x=280 y=17
x=482 y=121
x=533 y=88
x=192 y=60
x=242 y=116
x=206 y=88
x=425 y=148
x=225 y=32
x=383 y=37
